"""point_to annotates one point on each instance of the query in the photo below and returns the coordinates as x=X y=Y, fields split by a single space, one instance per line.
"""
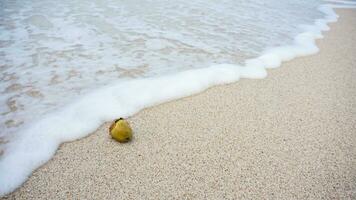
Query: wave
x=39 y=141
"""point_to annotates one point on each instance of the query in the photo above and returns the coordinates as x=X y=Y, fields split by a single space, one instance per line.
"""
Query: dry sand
x=291 y=135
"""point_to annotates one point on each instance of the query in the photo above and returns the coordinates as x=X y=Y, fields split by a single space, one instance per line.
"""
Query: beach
x=291 y=135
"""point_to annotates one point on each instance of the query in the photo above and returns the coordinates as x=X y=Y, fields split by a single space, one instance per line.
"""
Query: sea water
x=68 y=66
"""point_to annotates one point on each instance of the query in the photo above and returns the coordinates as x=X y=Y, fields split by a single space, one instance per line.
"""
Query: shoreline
x=81 y=118
x=162 y=131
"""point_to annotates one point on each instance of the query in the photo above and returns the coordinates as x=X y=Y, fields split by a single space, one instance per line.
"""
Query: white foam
x=346 y=3
x=38 y=142
x=56 y=53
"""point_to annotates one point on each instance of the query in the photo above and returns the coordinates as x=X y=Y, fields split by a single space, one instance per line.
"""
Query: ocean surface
x=68 y=66
x=52 y=52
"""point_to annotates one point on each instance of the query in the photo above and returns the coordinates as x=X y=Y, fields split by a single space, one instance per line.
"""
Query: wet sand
x=289 y=136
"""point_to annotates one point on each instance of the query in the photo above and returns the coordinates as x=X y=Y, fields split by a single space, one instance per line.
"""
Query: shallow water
x=69 y=66
x=52 y=52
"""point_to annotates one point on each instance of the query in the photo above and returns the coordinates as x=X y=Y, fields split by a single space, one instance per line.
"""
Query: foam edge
x=37 y=143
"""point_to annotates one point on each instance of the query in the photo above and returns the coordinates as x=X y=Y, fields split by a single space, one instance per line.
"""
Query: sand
x=289 y=136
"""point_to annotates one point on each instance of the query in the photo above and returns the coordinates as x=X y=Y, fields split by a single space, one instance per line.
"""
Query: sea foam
x=36 y=143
